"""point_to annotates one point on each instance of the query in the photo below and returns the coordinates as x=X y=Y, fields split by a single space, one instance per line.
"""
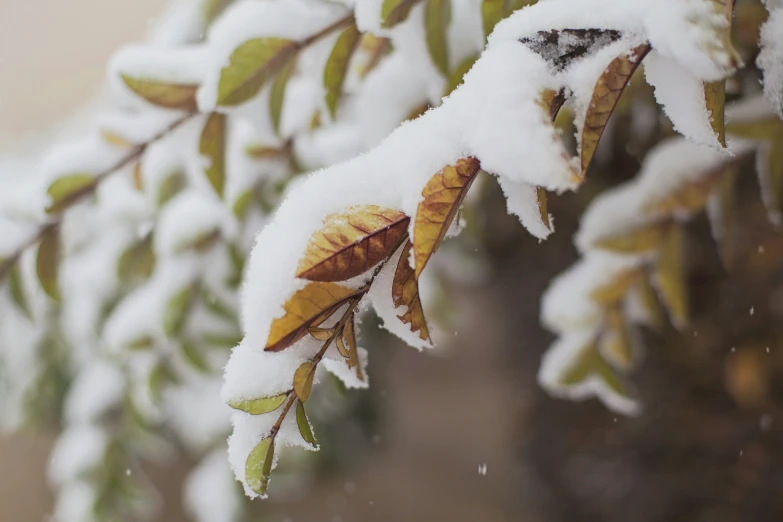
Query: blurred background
x=707 y=447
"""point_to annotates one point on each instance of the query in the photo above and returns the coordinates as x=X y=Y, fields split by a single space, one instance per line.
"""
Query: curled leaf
x=250 y=66
x=277 y=92
x=337 y=65
x=304 y=424
x=395 y=11
x=637 y=240
x=259 y=405
x=405 y=292
x=670 y=276
x=63 y=192
x=303 y=380
x=48 y=262
x=258 y=466
x=168 y=95
x=213 y=145
x=436 y=21
x=543 y=211
x=443 y=196
x=352 y=242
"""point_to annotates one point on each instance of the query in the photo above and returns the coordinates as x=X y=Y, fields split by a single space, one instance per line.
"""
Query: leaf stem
x=339 y=24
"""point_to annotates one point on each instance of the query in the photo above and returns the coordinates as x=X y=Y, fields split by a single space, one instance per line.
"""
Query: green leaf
x=16 y=287
x=177 y=311
x=145 y=342
x=193 y=356
x=170 y=187
x=63 y=190
x=237 y=264
x=337 y=65
x=169 y=95
x=455 y=78
x=222 y=340
x=212 y=144
x=277 y=93
x=259 y=466
x=137 y=262
x=590 y=363
x=304 y=424
x=493 y=11
x=251 y=65
x=160 y=375
x=216 y=306
x=242 y=203
x=259 y=405
x=303 y=380
x=202 y=242
x=635 y=241
x=48 y=262
x=436 y=21
x=211 y=9
x=395 y=11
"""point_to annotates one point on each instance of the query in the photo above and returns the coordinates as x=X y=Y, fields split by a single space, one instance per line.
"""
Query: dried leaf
x=259 y=405
x=436 y=21
x=606 y=93
x=308 y=307
x=321 y=334
x=337 y=66
x=349 y=335
x=352 y=242
x=258 y=466
x=456 y=76
x=251 y=65
x=405 y=292
x=303 y=380
x=305 y=430
x=16 y=288
x=715 y=100
x=637 y=240
x=213 y=145
x=670 y=277
x=48 y=262
x=177 y=311
x=277 y=92
x=616 y=289
x=443 y=196
x=395 y=11
x=168 y=95
x=63 y=192
x=137 y=262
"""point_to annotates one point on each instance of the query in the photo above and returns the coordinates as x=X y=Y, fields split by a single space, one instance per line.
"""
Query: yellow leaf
x=258 y=466
x=250 y=66
x=455 y=78
x=65 y=191
x=308 y=307
x=259 y=405
x=168 y=95
x=303 y=380
x=436 y=21
x=115 y=139
x=349 y=336
x=670 y=276
x=616 y=344
x=395 y=11
x=443 y=196
x=277 y=93
x=48 y=262
x=213 y=145
x=607 y=91
x=649 y=301
x=321 y=334
x=543 y=211
x=634 y=241
x=616 y=289
x=138 y=179
x=337 y=66
x=304 y=424
x=405 y=292
x=352 y=242
x=552 y=101
x=715 y=99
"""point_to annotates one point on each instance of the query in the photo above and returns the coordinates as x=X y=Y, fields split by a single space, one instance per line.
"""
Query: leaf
x=168 y=95
x=138 y=179
x=115 y=139
x=590 y=363
x=48 y=262
x=405 y=292
x=304 y=424
x=250 y=66
x=649 y=301
x=349 y=337
x=456 y=76
x=613 y=291
x=722 y=215
x=160 y=375
x=616 y=344
x=202 y=242
x=277 y=93
x=321 y=334
x=16 y=288
x=688 y=198
x=303 y=380
x=769 y=164
x=258 y=466
x=222 y=340
x=265 y=152
x=670 y=277
x=552 y=101
x=443 y=196
x=543 y=211
x=375 y=48
x=493 y=11
x=640 y=239
x=352 y=242
x=137 y=262
x=715 y=100
x=395 y=11
x=63 y=192
x=177 y=311
x=259 y=405
x=212 y=144
x=436 y=21
x=337 y=66
x=606 y=93
x=764 y=129
x=170 y=187
x=308 y=307
x=193 y=356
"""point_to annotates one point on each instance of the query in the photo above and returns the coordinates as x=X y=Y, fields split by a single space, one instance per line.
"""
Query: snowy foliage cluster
x=141 y=259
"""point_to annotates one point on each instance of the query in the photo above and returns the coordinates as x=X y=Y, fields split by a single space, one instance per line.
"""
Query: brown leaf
x=352 y=242
x=443 y=196
x=607 y=91
x=543 y=212
x=308 y=307
x=715 y=100
x=405 y=292
x=303 y=380
x=670 y=276
x=349 y=336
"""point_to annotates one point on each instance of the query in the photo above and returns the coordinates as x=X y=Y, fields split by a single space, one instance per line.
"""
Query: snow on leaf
x=302 y=422
x=308 y=307
x=637 y=240
x=336 y=67
x=395 y=11
x=303 y=380
x=212 y=144
x=259 y=405
x=278 y=90
x=443 y=196
x=562 y=47
x=688 y=198
x=613 y=291
x=64 y=191
x=259 y=466
x=352 y=242
x=168 y=95
x=251 y=65
x=456 y=76
x=670 y=277
x=436 y=21
x=170 y=187
x=48 y=262
x=405 y=292
x=607 y=92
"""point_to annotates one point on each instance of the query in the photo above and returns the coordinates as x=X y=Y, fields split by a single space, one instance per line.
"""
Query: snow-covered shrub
x=124 y=256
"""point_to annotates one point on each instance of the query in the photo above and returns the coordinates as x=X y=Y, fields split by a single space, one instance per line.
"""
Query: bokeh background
x=708 y=446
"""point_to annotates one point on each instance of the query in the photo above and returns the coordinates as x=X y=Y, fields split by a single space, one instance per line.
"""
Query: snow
x=209 y=492
x=98 y=388
x=79 y=448
x=769 y=60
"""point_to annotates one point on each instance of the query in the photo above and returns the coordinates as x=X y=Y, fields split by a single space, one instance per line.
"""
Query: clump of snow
x=769 y=59
x=209 y=491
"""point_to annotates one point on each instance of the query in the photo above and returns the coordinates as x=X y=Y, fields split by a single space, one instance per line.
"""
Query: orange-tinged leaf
x=613 y=291
x=670 y=276
x=636 y=240
x=352 y=242
x=405 y=292
x=169 y=95
x=308 y=307
x=213 y=145
x=303 y=380
x=607 y=91
x=337 y=66
x=715 y=100
x=443 y=196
